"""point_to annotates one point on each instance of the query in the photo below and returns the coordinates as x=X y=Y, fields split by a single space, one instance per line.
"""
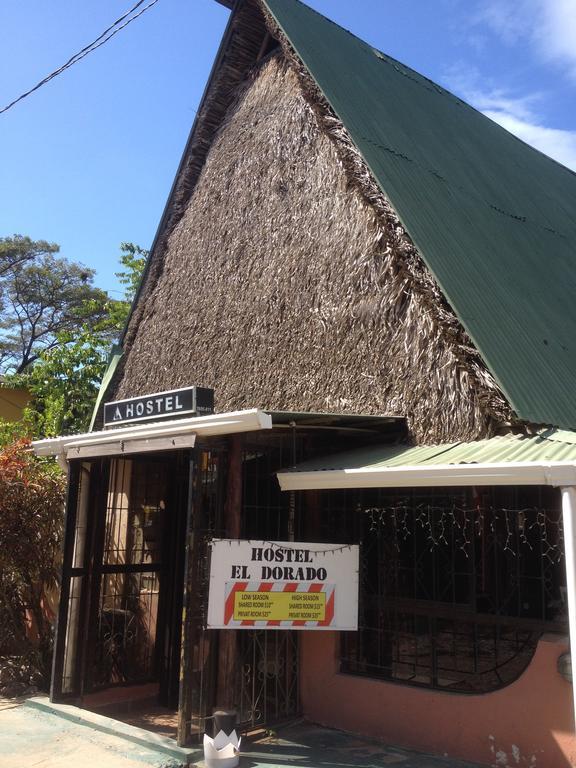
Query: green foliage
x=65 y=378
x=12 y=431
x=133 y=258
x=42 y=296
x=64 y=383
x=18 y=250
x=31 y=519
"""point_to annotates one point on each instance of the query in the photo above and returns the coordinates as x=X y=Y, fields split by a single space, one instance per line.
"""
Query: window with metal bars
x=457 y=585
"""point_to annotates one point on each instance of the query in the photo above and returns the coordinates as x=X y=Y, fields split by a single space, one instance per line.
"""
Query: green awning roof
x=494 y=219
x=522 y=459
x=553 y=445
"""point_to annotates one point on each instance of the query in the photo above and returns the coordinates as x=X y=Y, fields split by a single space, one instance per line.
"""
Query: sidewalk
x=34 y=738
x=30 y=738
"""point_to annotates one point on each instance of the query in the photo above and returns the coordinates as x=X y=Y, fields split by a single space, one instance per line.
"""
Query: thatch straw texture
x=240 y=48
x=286 y=285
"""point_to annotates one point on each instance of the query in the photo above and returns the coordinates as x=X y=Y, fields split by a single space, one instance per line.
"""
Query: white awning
x=144 y=438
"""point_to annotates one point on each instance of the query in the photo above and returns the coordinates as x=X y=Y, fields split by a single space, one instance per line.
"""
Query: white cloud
x=557 y=35
x=555 y=142
x=518 y=114
x=498 y=101
x=509 y=21
x=548 y=25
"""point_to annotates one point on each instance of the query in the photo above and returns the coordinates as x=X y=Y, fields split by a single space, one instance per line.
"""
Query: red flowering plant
x=31 y=520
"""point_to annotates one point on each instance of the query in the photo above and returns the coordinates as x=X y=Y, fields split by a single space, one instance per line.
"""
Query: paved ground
x=308 y=746
x=30 y=738
x=34 y=739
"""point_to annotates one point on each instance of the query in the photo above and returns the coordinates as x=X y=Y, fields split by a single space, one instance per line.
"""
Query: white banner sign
x=283 y=585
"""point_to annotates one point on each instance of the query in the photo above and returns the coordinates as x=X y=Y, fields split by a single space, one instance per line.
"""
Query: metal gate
x=267 y=687
x=267 y=690
x=264 y=680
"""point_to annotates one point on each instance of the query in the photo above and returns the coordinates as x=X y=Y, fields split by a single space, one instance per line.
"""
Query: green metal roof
x=494 y=219
x=549 y=446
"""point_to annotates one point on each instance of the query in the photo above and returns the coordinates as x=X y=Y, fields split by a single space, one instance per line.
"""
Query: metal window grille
x=456 y=587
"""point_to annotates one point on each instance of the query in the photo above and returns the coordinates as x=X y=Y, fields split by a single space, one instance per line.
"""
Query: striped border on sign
x=232 y=587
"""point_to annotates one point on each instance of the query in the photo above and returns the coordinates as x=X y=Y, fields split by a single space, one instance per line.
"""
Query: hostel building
x=372 y=287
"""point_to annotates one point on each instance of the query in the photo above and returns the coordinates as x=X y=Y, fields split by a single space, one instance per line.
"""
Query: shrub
x=31 y=523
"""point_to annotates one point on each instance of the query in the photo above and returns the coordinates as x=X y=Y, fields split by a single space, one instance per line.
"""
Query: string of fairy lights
x=282 y=546
x=517 y=529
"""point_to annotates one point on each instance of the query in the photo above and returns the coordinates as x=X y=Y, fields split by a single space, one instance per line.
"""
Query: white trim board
x=167 y=435
x=439 y=475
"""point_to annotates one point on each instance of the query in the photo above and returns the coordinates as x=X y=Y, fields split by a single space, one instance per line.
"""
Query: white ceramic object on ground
x=222 y=751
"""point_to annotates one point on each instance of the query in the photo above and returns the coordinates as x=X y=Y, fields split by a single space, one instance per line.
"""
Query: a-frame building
x=389 y=277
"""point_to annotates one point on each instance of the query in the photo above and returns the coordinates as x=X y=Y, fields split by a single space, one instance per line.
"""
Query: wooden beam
x=190 y=627
x=228 y=641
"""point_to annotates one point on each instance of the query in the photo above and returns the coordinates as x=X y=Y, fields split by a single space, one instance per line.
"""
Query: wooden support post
x=189 y=616
x=228 y=641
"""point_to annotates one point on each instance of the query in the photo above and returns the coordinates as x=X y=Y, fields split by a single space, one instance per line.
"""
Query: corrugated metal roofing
x=549 y=446
x=494 y=219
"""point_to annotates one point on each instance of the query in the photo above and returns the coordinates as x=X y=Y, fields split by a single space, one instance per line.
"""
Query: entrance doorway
x=132 y=523
x=121 y=605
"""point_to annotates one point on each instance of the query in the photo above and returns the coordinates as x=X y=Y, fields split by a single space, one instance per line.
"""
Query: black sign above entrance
x=175 y=404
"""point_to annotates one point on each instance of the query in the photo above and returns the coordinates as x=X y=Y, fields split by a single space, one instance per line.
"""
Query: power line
x=108 y=34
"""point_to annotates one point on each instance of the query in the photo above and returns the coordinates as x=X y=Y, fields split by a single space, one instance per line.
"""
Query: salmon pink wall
x=527 y=724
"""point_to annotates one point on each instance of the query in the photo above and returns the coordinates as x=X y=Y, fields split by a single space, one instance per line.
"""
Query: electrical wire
x=103 y=38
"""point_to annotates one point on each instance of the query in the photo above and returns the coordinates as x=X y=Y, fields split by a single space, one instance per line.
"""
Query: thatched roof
x=287 y=281
x=241 y=46
x=501 y=245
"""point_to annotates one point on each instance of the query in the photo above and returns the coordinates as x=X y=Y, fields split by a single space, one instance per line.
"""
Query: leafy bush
x=31 y=521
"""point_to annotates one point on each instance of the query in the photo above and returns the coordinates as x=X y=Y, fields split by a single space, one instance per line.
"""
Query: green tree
x=133 y=259
x=42 y=296
x=17 y=250
x=64 y=380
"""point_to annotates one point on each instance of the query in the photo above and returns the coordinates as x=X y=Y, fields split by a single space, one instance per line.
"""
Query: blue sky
x=89 y=159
